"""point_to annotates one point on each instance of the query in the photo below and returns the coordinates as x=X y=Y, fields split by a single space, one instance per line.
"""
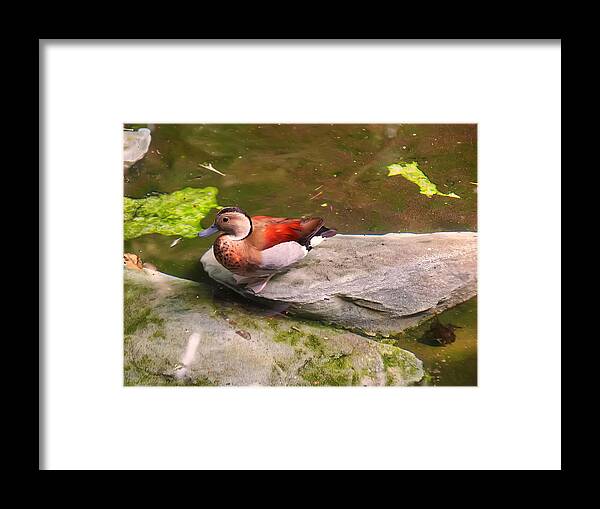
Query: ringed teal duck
x=255 y=248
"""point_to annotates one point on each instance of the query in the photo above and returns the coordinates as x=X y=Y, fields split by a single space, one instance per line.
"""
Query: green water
x=336 y=171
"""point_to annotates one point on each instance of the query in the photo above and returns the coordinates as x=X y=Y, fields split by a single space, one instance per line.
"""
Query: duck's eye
x=225 y=219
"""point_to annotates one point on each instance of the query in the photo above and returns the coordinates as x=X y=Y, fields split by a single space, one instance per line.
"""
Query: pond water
x=336 y=171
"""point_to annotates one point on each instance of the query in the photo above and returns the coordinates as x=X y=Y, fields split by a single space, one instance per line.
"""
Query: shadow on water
x=336 y=171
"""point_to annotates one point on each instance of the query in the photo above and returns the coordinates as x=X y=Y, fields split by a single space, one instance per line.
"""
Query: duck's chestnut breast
x=228 y=254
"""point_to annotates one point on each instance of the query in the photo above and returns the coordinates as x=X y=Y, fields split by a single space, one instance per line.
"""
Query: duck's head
x=231 y=221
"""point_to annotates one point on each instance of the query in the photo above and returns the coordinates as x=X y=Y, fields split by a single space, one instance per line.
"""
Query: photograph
x=294 y=248
x=296 y=254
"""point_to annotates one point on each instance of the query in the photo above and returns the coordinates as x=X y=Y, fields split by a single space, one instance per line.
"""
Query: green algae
x=137 y=315
x=313 y=343
x=329 y=371
x=178 y=213
x=136 y=375
x=321 y=369
x=291 y=337
x=412 y=173
x=396 y=359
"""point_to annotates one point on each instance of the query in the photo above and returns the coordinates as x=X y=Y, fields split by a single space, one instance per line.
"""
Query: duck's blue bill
x=208 y=232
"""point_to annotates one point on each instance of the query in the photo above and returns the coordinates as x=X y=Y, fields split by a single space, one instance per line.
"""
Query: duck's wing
x=270 y=231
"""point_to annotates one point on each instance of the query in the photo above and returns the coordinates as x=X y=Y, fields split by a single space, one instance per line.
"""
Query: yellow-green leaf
x=412 y=173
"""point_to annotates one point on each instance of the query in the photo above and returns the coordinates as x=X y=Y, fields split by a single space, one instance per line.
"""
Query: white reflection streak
x=188 y=355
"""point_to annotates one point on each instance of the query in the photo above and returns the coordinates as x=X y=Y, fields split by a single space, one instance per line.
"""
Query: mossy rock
x=176 y=334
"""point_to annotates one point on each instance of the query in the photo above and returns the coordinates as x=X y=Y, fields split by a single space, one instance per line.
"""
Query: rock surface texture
x=374 y=284
x=177 y=332
x=135 y=146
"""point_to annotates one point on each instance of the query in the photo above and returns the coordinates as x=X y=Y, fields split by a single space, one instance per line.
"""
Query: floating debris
x=175 y=242
x=244 y=333
x=317 y=195
x=210 y=167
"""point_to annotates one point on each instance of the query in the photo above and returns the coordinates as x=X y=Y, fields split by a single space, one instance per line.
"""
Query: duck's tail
x=326 y=232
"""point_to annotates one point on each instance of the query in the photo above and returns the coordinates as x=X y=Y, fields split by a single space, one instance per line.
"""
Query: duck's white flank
x=282 y=255
x=286 y=253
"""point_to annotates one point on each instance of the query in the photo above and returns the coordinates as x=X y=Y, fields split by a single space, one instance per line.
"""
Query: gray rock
x=175 y=333
x=375 y=284
x=135 y=146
